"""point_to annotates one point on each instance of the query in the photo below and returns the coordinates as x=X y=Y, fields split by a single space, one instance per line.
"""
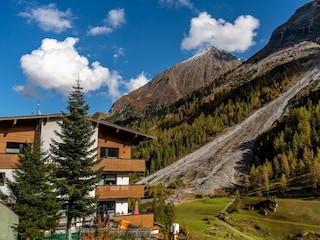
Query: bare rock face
x=303 y=25
x=177 y=82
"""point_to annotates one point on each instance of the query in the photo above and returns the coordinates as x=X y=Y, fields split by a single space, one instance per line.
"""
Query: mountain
x=303 y=25
x=180 y=80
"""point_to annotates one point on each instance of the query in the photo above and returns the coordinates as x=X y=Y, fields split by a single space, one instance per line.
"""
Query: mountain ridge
x=176 y=82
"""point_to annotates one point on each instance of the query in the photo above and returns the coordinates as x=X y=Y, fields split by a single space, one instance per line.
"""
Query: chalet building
x=114 y=148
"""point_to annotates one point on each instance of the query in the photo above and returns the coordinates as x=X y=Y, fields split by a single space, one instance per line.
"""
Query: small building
x=113 y=145
x=8 y=219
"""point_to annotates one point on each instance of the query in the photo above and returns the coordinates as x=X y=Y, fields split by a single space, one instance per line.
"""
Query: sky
x=116 y=46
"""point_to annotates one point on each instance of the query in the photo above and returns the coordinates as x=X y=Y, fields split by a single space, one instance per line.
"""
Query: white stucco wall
x=48 y=133
x=121 y=207
x=122 y=179
x=9 y=175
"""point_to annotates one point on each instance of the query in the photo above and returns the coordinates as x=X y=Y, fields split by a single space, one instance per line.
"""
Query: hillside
x=218 y=163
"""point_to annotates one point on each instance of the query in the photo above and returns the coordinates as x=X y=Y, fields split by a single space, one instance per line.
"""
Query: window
x=2 y=178
x=109 y=179
x=14 y=147
x=109 y=152
x=106 y=209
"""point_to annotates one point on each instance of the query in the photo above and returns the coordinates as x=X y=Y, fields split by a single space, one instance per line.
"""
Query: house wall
x=21 y=134
x=122 y=179
x=7 y=220
x=121 y=207
x=106 y=139
x=9 y=175
x=48 y=133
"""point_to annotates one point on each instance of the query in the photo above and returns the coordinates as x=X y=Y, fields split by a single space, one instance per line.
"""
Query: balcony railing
x=145 y=220
x=119 y=191
x=121 y=165
x=9 y=161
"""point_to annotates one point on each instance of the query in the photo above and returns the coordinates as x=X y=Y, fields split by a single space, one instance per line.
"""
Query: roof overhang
x=134 y=136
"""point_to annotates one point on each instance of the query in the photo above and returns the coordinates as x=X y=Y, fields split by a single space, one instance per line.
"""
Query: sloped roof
x=134 y=136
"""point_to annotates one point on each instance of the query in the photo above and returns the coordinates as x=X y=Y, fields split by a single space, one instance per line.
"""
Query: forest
x=288 y=155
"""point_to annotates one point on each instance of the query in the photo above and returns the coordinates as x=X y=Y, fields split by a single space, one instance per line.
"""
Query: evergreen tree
x=164 y=213
x=75 y=155
x=283 y=182
x=237 y=200
x=36 y=202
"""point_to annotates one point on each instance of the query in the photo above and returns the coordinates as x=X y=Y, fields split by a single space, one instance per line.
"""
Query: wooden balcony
x=121 y=165
x=144 y=220
x=119 y=191
x=8 y=161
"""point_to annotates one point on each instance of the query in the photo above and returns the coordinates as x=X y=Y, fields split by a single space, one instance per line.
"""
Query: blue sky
x=116 y=46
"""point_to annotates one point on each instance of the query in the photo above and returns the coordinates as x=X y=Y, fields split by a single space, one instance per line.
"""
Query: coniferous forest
x=289 y=154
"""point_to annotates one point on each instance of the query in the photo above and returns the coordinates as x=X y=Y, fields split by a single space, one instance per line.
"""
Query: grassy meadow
x=292 y=217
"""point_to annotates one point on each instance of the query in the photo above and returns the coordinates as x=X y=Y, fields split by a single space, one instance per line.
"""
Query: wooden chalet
x=114 y=147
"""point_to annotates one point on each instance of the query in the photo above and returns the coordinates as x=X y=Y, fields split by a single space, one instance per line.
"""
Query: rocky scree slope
x=177 y=82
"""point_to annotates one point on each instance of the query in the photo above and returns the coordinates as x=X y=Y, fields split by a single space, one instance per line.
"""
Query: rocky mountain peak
x=303 y=25
x=180 y=80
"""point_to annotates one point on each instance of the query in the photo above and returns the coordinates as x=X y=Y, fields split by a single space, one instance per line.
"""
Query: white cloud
x=206 y=31
x=118 y=52
x=99 y=30
x=135 y=83
x=177 y=3
x=49 y=18
x=114 y=19
x=56 y=65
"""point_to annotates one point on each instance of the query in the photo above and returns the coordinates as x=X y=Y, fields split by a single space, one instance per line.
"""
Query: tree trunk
x=68 y=230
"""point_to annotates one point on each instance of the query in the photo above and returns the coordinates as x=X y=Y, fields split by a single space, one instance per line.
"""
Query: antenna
x=38 y=108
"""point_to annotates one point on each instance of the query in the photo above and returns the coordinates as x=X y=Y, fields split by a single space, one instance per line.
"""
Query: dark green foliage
x=36 y=202
x=74 y=156
x=164 y=213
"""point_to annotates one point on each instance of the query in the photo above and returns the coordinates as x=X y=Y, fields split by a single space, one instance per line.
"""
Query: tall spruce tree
x=74 y=155
x=36 y=202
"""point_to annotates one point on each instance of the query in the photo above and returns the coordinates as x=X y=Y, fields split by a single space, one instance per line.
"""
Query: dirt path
x=215 y=164
x=234 y=229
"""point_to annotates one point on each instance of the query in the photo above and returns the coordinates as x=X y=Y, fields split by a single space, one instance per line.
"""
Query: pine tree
x=283 y=182
x=36 y=202
x=237 y=200
x=75 y=155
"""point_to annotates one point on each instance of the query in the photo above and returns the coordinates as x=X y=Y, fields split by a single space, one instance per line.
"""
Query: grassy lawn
x=293 y=216
x=198 y=217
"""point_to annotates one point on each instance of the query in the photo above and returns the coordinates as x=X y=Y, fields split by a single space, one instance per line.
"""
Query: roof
x=135 y=136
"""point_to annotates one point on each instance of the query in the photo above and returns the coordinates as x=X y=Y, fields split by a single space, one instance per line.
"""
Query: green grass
x=293 y=216
x=198 y=217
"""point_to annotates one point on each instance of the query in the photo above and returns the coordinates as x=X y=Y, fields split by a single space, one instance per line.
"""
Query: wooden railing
x=121 y=165
x=119 y=191
x=8 y=161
